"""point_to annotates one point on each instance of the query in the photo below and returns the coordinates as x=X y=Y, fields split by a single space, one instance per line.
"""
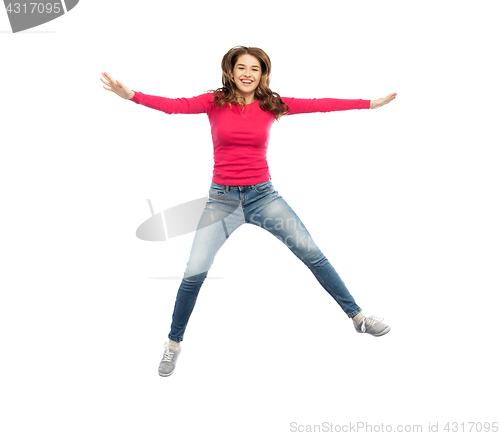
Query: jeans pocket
x=216 y=192
x=263 y=187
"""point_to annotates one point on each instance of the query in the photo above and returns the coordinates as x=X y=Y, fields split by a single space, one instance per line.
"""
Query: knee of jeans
x=307 y=248
x=195 y=267
x=312 y=254
x=319 y=259
x=192 y=275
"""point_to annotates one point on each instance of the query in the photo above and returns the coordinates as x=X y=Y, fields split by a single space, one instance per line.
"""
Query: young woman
x=241 y=114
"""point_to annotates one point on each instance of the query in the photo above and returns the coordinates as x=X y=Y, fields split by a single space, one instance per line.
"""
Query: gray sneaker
x=167 y=364
x=372 y=325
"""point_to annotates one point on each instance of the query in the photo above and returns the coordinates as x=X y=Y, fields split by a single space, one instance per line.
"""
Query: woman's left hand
x=374 y=104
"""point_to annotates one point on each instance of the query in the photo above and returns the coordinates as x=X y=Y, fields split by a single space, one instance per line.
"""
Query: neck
x=249 y=98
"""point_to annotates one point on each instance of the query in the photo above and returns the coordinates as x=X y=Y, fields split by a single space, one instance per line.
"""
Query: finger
x=109 y=77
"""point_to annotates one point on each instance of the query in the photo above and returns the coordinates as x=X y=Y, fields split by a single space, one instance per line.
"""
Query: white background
x=403 y=200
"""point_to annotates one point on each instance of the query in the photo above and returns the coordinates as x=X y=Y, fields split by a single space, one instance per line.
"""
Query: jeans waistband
x=237 y=187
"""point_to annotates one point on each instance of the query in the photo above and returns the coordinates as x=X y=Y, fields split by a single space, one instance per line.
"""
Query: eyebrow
x=253 y=66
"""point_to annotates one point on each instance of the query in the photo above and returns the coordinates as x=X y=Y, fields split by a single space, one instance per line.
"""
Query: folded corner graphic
x=27 y=14
x=179 y=220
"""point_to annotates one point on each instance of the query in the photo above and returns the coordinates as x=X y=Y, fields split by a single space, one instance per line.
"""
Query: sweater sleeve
x=308 y=105
x=194 y=105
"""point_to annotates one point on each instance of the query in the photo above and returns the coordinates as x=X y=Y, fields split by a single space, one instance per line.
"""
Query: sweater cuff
x=365 y=104
x=135 y=98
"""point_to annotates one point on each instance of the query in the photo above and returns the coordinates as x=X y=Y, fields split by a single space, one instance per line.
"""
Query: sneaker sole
x=164 y=374
x=380 y=334
x=383 y=333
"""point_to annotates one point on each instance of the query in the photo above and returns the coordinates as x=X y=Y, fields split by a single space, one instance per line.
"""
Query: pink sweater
x=241 y=138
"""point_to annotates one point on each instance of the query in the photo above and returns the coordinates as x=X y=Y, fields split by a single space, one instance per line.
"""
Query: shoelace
x=369 y=320
x=167 y=356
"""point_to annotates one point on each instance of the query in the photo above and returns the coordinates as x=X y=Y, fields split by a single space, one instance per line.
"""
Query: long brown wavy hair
x=268 y=100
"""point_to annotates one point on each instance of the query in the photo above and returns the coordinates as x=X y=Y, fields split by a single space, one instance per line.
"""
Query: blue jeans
x=227 y=208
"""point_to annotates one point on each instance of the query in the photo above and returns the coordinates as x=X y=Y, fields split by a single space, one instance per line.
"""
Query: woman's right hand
x=117 y=87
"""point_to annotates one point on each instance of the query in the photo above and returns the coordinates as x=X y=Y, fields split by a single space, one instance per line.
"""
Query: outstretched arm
x=309 y=105
x=194 y=105
x=374 y=104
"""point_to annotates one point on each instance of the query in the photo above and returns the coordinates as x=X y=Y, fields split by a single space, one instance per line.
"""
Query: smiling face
x=246 y=74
